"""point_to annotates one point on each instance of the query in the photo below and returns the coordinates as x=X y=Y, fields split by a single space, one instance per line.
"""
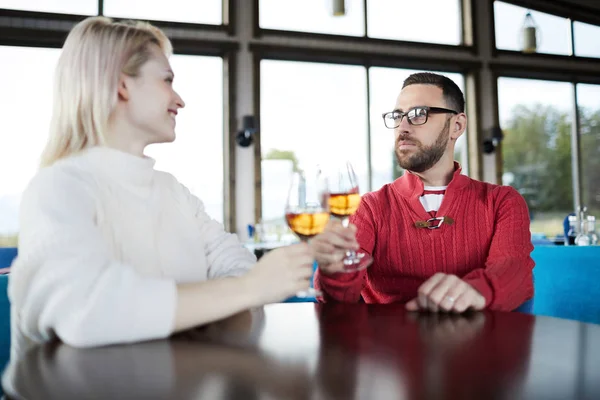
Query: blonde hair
x=96 y=52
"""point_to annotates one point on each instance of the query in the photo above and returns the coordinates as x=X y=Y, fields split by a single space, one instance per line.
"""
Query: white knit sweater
x=104 y=239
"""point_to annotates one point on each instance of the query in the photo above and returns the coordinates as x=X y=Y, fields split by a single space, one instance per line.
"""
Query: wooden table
x=330 y=351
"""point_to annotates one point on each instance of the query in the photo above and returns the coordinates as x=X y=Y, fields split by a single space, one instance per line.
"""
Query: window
x=314 y=16
x=26 y=101
x=201 y=12
x=196 y=156
x=536 y=119
x=588 y=101
x=318 y=117
x=431 y=21
x=586 y=42
x=81 y=7
x=386 y=84
x=553 y=33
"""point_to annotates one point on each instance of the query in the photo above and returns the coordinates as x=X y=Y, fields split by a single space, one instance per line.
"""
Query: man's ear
x=459 y=126
x=123 y=88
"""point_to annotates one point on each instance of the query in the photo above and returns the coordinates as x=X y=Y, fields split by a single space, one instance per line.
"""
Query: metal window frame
x=549 y=67
x=270 y=44
x=49 y=30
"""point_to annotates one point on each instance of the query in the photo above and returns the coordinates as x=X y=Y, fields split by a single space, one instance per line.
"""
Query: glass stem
x=346 y=222
x=312 y=278
x=350 y=254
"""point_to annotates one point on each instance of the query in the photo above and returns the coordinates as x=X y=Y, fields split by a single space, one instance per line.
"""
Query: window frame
x=465 y=69
x=48 y=30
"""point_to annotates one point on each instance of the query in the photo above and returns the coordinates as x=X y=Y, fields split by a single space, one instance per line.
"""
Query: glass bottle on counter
x=583 y=238
x=591 y=228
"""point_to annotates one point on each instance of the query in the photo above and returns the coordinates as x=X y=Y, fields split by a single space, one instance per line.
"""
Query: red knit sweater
x=488 y=246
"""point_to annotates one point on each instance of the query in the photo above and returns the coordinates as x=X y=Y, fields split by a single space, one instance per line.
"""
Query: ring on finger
x=450 y=299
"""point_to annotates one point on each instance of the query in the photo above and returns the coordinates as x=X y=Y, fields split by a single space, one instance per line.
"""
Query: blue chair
x=296 y=299
x=7 y=255
x=526 y=308
x=4 y=322
x=567 y=282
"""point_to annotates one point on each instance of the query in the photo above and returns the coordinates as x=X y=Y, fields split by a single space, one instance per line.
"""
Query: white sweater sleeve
x=65 y=282
x=225 y=254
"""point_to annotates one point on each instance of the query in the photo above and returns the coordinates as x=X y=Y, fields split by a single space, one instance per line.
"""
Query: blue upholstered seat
x=7 y=255
x=567 y=282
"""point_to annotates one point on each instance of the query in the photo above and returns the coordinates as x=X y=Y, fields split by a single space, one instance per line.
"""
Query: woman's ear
x=123 y=88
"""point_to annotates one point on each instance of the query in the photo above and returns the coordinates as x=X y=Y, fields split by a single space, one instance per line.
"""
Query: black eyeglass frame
x=428 y=110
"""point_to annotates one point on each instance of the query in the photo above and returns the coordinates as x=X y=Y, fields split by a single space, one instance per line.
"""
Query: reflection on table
x=323 y=351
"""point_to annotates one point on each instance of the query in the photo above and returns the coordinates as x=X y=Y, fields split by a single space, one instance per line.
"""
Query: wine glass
x=344 y=198
x=306 y=211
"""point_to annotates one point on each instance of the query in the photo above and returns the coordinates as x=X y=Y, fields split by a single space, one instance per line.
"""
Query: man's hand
x=330 y=246
x=447 y=293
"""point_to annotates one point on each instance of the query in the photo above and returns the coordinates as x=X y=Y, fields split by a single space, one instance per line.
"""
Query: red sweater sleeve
x=346 y=287
x=506 y=280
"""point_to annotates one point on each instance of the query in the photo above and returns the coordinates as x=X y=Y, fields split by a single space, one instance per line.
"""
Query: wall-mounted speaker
x=244 y=137
x=495 y=137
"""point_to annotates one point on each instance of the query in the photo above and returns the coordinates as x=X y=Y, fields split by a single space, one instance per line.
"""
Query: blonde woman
x=111 y=250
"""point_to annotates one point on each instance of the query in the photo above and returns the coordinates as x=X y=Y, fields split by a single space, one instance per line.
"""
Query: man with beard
x=440 y=240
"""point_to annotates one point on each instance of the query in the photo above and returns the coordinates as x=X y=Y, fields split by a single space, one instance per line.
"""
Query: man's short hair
x=452 y=94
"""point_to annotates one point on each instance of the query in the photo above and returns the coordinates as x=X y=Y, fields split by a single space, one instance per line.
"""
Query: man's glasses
x=416 y=116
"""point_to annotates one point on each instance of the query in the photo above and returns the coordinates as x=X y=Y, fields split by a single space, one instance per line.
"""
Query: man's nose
x=404 y=127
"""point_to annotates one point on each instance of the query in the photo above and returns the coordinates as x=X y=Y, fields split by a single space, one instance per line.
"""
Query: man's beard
x=426 y=156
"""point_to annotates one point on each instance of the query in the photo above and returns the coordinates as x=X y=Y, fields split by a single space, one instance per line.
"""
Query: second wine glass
x=306 y=211
x=344 y=199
